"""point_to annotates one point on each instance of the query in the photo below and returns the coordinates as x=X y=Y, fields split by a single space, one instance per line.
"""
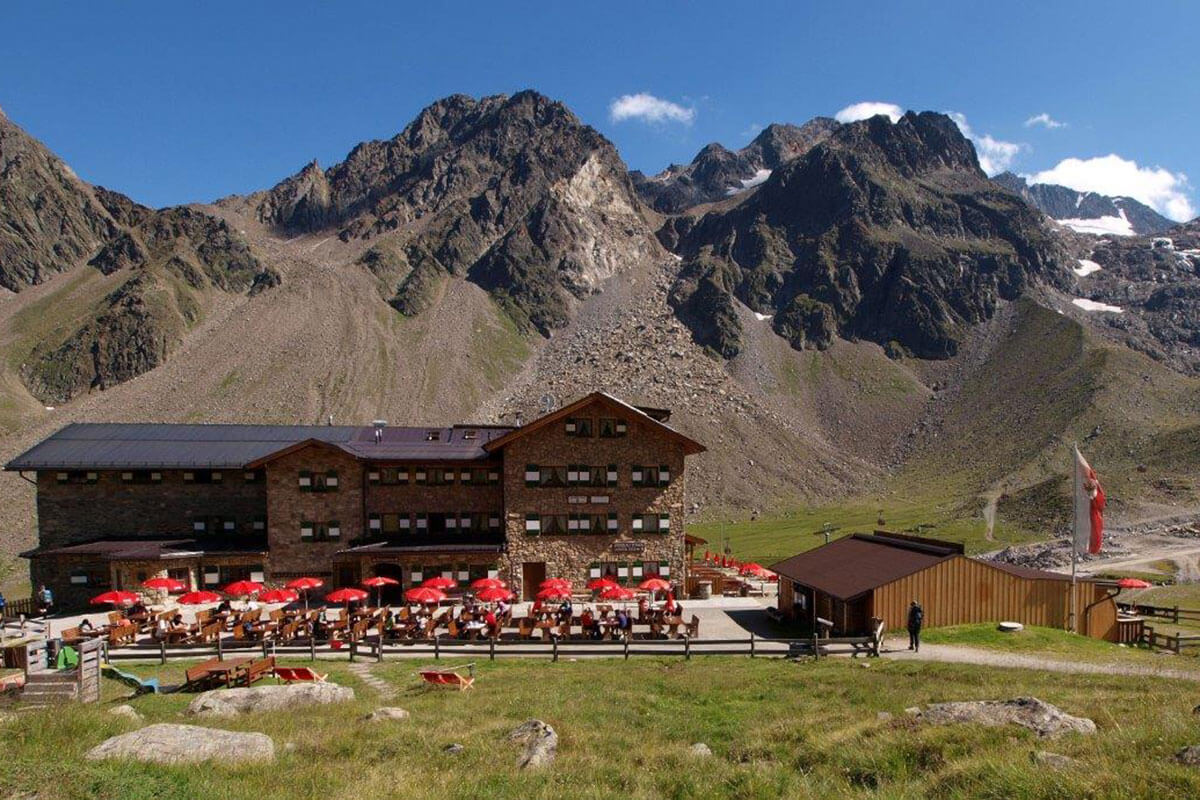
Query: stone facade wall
x=69 y=513
x=56 y=572
x=412 y=498
x=570 y=556
x=288 y=506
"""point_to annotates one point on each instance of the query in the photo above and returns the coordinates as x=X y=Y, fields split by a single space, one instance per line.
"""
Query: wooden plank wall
x=961 y=590
x=89 y=671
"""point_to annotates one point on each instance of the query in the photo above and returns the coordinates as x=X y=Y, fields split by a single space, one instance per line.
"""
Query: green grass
x=777 y=729
x=1043 y=642
x=1184 y=595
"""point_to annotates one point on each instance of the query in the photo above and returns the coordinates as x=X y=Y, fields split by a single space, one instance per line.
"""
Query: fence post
x=264 y=648
x=353 y=650
x=816 y=646
x=437 y=648
x=687 y=649
x=379 y=648
x=312 y=648
x=492 y=648
x=1175 y=610
x=626 y=648
x=752 y=644
x=220 y=648
x=162 y=651
x=554 y=651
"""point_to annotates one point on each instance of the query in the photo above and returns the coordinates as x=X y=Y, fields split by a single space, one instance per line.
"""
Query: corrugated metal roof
x=180 y=446
x=849 y=566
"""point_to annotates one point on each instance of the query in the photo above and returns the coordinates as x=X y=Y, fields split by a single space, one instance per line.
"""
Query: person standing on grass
x=916 y=618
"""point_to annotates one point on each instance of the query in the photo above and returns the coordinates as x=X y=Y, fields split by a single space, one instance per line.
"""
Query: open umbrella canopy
x=754 y=568
x=554 y=593
x=439 y=582
x=424 y=594
x=114 y=598
x=166 y=584
x=198 y=598
x=347 y=595
x=243 y=588
x=279 y=596
x=494 y=594
x=600 y=584
x=615 y=592
x=1133 y=583
x=482 y=584
x=555 y=583
x=654 y=585
x=380 y=581
x=305 y=584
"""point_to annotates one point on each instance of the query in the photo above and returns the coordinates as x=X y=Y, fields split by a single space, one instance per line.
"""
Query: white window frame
x=334 y=532
x=199 y=526
x=304 y=481
x=637 y=523
x=664 y=522
x=229 y=525
x=533 y=525
x=373 y=477
x=257 y=577
x=375 y=524
x=331 y=481
x=405 y=522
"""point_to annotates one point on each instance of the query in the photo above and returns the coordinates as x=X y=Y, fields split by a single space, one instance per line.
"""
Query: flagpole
x=1074 y=531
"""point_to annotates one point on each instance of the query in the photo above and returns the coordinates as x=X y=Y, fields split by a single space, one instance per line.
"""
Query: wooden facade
x=963 y=590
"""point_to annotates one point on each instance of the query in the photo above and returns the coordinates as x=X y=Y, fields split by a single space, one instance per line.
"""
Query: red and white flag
x=1089 y=507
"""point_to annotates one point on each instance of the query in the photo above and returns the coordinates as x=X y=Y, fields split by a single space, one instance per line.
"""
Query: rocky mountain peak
x=1087 y=212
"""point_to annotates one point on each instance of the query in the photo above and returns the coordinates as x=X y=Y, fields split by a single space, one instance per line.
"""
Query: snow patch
x=1086 y=267
x=749 y=183
x=761 y=317
x=1098 y=226
x=1093 y=305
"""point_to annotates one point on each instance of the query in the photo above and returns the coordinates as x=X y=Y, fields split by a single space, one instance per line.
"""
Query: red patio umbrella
x=488 y=583
x=1133 y=583
x=378 y=582
x=494 y=594
x=754 y=568
x=555 y=583
x=654 y=585
x=615 y=592
x=599 y=584
x=198 y=598
x=114 y=599
x=304 y=586
x=347 y=596
x=243 y=588
x=166 y=584
x=439 y=582
x=425 y=595
x=279 y=596
x=554 y=593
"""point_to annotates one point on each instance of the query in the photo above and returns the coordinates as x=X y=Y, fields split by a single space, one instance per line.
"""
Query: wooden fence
x=1174 y=614
x=1176 y=644
x=372 y=648
x=23 y=605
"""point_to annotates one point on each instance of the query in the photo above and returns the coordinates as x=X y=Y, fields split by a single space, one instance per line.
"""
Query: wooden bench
x=450 y=677
x=258 y=669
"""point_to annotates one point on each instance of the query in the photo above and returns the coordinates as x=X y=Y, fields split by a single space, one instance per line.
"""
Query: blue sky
x=179 y=102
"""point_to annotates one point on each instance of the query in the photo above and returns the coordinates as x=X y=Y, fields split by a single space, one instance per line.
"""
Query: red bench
x=450 y=677
x=299 y=675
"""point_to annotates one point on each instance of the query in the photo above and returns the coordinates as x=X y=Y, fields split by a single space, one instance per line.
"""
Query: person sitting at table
x=160 y=629
x=565 y=611
x=588 y=623
x=624 y=623
x=248 y=629
x=224 y=607
x=491 y=624
x=643 y=607
x=502 y=609
x=536 y=608
x=138 y=609
x=86 y=626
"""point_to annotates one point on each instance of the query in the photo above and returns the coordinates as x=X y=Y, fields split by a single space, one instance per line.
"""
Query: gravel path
x=954 y=654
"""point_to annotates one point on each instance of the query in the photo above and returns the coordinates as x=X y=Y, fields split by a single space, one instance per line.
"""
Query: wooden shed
x=859 y=577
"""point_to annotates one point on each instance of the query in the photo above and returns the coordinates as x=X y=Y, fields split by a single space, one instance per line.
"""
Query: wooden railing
x=1173 y=613
x=374 y=648
x=23 y=605
x=1176 y=644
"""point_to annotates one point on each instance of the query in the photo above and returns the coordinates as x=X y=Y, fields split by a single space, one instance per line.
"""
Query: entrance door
x=532 y=575
x=392 y=595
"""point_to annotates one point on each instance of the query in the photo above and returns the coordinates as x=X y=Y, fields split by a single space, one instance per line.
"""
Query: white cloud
x=868 y=109
x=1166 y=192
x=1045 y=120
x=995 y=155
x=648 y=108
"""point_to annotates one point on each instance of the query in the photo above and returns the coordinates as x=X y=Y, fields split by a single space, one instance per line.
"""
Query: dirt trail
x=954 y=654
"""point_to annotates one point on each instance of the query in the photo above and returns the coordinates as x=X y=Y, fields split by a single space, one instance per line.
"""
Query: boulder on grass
x=1040 y=717
x=386 y=713
x=125 y=710
x=229 y=702
x=1189 y=756
x=1044 y=758
x=541 y=743
x=185 y=744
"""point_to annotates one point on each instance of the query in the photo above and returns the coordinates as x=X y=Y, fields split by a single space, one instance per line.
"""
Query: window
x=433 y=436
x=610 y=475
x=470 y=435
x=202 y=476
x=389 y=476
x=140 y=476
x=552 y=477
x=579 y=426
x=441 y=477
x=533 y=524
x=650 y=476
x=258 y=524
x=611 y=525
x=254 y=476
x=77 y=476
x=651 y=523
x=420 y=476
x=320 y=531
x=308 y=481
x=611 y=428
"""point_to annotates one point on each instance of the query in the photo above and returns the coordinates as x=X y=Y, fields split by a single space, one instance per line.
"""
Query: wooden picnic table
x=224 y=670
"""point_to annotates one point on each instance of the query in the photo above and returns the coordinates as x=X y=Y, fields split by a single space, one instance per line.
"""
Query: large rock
x=1040 y=717
x=541 y=743
x=185 y=744
x=228 y=702
x=1189 y=756
x=386 y=713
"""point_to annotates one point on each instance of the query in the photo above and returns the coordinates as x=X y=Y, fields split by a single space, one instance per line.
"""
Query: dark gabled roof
x=176 y=446
x=690 y=446
x=154 y=549
x=852 y=565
